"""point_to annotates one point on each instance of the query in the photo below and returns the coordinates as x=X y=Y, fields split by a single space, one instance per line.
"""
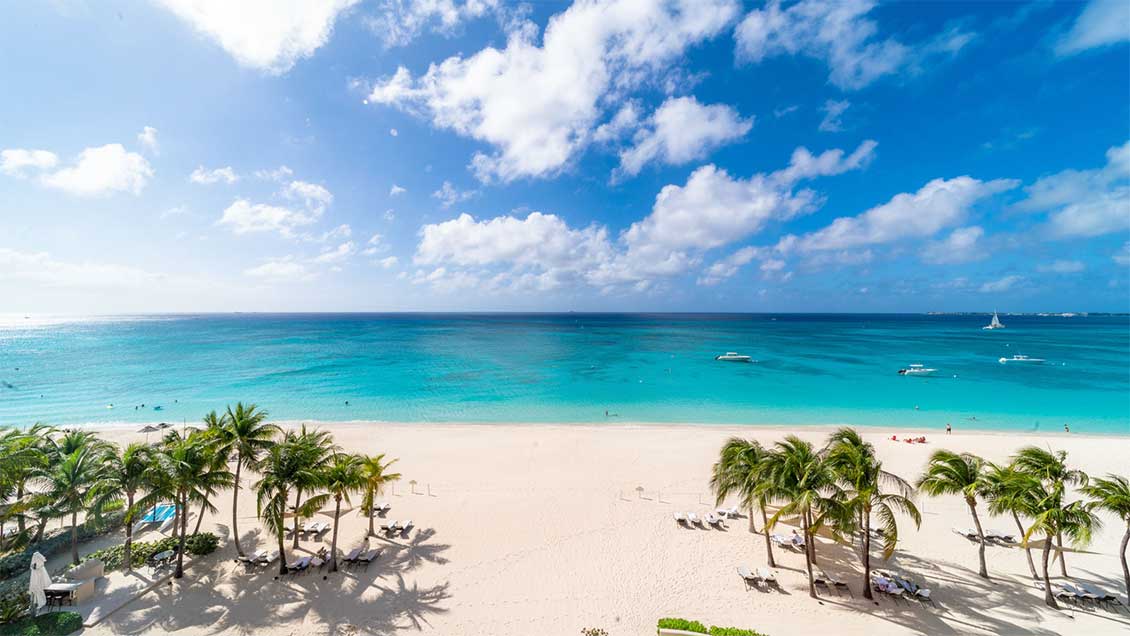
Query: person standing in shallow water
x=949 y=428
x=1066 y=428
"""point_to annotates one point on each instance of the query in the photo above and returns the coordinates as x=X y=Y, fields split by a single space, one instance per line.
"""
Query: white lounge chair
x=384 y=506
x=730 y=512
x=713 y=519
x=680 y=518
x=405 y=527
x=749 y=578
x=968 y=533
x=770 y=578
x=1101 y=596
x=368 y=557
x=1000 y=536
x=389 y=526
x=836 y=583
x=693 y=518
x=923 y=595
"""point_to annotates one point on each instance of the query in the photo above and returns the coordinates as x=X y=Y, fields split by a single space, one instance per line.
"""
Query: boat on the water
x=916 y=369
x=731 y=356
x=995 y=323
x=1022 y=359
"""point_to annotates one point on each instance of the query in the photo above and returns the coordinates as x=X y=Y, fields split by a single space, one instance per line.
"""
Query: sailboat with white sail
x=995 y=323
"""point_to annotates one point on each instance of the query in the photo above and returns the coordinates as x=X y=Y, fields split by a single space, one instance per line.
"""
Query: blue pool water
x=810 y=369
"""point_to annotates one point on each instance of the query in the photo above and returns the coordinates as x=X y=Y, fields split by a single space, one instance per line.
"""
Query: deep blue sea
x=809 y=369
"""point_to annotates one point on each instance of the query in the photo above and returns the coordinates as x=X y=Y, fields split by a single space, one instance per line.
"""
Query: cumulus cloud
x=1085 y=203
x=1000 y=285
x=838 y=33
x=536 y=101
x=730 y=265
x=961 y=246
x=279 y=270
x=18 y=162
x=388 y=262
x=148 y=139
x=207 y=177
x=449 y=195
x=398 y=22
x=282 y=173
x=680 y=131
x=833 y=113
x=101 y=171
x=805 y=165
x=1102 y=23
x=245 y=217
x=395 y=190
x=336 y=255
x=268 y=35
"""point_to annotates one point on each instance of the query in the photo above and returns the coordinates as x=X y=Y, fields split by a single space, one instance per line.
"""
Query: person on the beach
x=1066 y=429
x=949 y=428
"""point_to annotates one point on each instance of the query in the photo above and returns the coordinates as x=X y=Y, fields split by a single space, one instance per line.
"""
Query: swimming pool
x=163 y=512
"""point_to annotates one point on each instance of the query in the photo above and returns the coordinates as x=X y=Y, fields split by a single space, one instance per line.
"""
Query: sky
x=612 y=155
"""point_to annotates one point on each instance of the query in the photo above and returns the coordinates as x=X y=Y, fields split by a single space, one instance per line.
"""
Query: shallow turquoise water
x=811 y=369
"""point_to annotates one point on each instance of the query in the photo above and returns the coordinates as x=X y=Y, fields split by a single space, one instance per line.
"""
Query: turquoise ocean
x=573 y=368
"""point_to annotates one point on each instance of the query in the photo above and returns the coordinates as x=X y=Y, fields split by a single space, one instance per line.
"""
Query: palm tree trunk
x=200 y=519
x=809 y=545
x=752 y=526
x=74 y=537
x=1122 y=556
x=1049 y=598
x=1027 y=550
x=297 y=502
x=1059 y=553
x=129 y=534
x=39 y=531
x=235 y=506
x=333 y=542
x=20 y=497
x=984 y=571
x=180 y=544
x=808 y=558
x=372 y=504
x=867 y=556
x=765 y=531
x=281 y=532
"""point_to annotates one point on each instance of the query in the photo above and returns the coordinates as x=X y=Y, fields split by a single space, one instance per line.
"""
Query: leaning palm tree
x=1113 y=495
x=805 y=485
x=1053 y=518
x=127 y=474
x=740 y=470
x=345 y=474
x=191 y=470
x=862 y=480
x=1013 y=492
x=244 y=435
x=1050 y=467
x=949 y=473
x=375 y=469
x=281 y=468
x=22 y=453
x=313 y=449
x=69 y=481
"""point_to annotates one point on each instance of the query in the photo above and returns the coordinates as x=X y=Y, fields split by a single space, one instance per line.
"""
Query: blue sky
x=624 y=155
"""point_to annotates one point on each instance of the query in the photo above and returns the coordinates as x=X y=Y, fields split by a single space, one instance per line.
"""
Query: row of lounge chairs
x=709 y=519
x=360 y=557
x=831 y=583
x=1080 y=593
x=262 y=557
x=395 y=526
x=898 y=587
x=309 y=529
x=762 y=577
x=795 y=542
x=990 y=535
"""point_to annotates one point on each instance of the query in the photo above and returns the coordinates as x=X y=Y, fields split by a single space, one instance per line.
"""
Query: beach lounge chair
x=768 y=577
x=299 y=566
x=780 y=540
x=1101 y=596
x=1081 y=594
x=389 y=526
x=714 y=520
x=836 y=583
x=730 y=513
x=368 y=557
x=693 y=519
x=923 y=595
x=1000 y=536
x=405 y=528
x=384 y=506
x=351 y=558
x=968 y=533
x=749 y=578
x=680 y=519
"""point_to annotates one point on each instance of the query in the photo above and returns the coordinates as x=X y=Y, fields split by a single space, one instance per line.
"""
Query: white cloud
x=730 y=265
x=388 y=262
x=1000 y=285
x=316 y=198
x=176 y=210
x=838 y=33
x=102 y=170
x=785 y=110
x=393 y=132
x=623 y=122
x=1062 y=266
x=286 y=269
x=44 y=271
x=389 y=215
x=282 y=173
x=17 y=162
x=395 y=190
x=939 y=204
x=1102 y=23
x=961 y=246
x=448 y=195
x=244 y=217
x=400 y=21
x=833 y=112
x=268 y=35
x=206 y=177
x=337 y=255
x=683 y=130
x=148 y=139
x=1085 y=202
x=805 y=165
x=536 y=101
x=1122 y=256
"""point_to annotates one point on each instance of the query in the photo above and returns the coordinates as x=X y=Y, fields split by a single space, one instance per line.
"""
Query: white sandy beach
x=539 y=529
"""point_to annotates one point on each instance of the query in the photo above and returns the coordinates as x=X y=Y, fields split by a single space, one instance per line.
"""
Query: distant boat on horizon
x=731 y=356
x=995 y=323
x=1022 y=358
x=916 y=369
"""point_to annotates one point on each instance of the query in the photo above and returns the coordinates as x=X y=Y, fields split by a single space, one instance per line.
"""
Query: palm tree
x=1052 y=518
x=192 y=472
x=805 y=485
x=1050 y=467
x=127 y=473
x=314 y=450
x=862 y=479
x=1014 y=492
x=375 y=470
x=740 y=470
x=69 y=480
x=345 y=474
x=244 y=435
x=1113 y=495
x=283 y=466
x=22 y=453
x=949 y=473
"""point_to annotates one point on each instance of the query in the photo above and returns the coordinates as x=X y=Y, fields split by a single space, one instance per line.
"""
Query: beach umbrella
x=164 y=425
x=40 y=580
x=147 y=429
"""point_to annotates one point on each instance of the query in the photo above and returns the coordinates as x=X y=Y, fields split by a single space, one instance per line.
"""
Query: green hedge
x=52 y=624
x=697 y=627
x=114 y=557
x=58 y=541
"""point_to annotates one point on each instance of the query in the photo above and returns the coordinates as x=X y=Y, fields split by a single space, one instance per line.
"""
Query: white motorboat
x=916 y=369
x=1022 y=359
x=995 y=323
x=731 y=356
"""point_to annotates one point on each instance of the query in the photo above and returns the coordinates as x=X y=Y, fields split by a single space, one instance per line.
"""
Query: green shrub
x=114 y=556
x=58 y=541
x=732 y=631
x=52 y=624
x=14 y=605
x=682 y=624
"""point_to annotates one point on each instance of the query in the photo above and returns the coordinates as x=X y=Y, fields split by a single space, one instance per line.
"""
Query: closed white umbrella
x=40 y=580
